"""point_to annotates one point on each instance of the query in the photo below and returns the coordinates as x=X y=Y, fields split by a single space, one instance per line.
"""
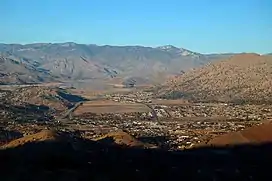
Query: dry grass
x=90 y=93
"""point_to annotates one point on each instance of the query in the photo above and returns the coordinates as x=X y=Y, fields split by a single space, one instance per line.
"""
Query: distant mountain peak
x=180 y=51
x=167 y=47
x=68 y=44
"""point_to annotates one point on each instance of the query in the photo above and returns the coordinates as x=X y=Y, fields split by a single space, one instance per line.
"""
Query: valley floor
x=170 y=124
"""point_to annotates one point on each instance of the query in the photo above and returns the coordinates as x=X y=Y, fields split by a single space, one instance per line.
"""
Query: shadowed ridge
x=89 y=160
x=121 y=138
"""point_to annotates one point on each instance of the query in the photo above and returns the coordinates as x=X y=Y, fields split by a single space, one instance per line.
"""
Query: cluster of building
x=136 y=97
x=215 y=111
x=173 y=134
x=180 y=125
x=244 y=112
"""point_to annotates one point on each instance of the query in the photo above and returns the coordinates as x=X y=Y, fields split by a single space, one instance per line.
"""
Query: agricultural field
x=107 y=106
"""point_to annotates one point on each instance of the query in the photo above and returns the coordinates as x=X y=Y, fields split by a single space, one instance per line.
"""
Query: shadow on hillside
x=27 y=108
x=88 y=160
x=160 y=141
x=27 y=112
x=8 y=135
x=71 y=97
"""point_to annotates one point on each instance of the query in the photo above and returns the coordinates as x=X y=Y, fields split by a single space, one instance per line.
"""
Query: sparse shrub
x=173 y=95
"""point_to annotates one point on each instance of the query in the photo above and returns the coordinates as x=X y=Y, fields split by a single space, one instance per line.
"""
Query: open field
x=170 y=102
x=90 y=93
x=100 y=85
x=110 y=107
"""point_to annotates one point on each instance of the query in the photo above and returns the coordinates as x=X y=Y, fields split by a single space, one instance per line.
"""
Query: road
x=154 y=113
x=71 y=110
x=68 y=113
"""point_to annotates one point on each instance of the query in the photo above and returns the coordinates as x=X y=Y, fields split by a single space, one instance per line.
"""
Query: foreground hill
x=119 y=138
x=241 y=78
x=71 y=61
x=50 y=155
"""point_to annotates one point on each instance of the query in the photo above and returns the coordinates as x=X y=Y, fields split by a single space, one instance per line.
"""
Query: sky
x=205 y=26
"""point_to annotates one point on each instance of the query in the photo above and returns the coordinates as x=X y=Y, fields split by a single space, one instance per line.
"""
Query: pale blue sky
x=204 y=26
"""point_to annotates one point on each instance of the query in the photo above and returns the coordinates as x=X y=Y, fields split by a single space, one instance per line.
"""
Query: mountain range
x=39 y=62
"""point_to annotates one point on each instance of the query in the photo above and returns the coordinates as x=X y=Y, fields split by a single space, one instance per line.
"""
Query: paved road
x=71 y=110
x=68 y=113
x=154 y=113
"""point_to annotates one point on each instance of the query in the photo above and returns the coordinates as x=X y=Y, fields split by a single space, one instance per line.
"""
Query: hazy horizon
x=128 y=45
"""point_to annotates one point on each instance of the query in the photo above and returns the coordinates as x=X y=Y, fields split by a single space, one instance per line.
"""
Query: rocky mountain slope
x=71 y=61
x=241 y=78
x=14 y=71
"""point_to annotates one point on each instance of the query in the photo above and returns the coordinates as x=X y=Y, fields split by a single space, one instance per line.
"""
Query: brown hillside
x=53 y=98
x=44 y=135
x=243 y=77
x=258 y=134
x=114 y=138
x=121 y=138
x=41 y=96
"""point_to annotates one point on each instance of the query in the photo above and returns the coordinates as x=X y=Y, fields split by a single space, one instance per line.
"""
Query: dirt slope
x=35 y=95
x=38 y=100
x=241 y=78
x=258 y=134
